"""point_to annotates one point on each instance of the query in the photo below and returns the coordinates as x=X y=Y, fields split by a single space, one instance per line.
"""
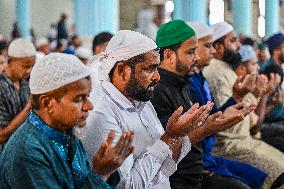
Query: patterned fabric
x=38 y=156
x=236 y=142
x=200 y=92
x=12 y=101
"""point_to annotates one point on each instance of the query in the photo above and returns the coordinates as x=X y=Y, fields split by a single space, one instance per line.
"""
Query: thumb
x=175 y=116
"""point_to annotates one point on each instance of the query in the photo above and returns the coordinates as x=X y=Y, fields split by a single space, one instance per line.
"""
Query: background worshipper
x=42 y=46
x=84 y=54
x=74 y=43
x=62 y=32
x=272 y=133
x=129 y=73
x=2 y=63
x=276 y=48
x=215 y=166
x=100 y=42
x=14 y=89
x=43 y=152
x=237 y=143
x=262 y=53
x=177 y=42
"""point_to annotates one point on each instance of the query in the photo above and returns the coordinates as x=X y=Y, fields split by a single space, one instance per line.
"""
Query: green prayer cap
x=173 y=32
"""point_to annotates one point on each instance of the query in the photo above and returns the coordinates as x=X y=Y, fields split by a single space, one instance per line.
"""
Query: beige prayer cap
x=21 y=48
x=123 y=46
x=56 y=70
x=201 y=30
x=221 y=29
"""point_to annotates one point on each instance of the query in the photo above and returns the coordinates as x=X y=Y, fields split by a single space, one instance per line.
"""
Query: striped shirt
x=12 y=101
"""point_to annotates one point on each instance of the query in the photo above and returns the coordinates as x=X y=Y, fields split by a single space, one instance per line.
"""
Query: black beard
x=231 y=57
x=136 y=91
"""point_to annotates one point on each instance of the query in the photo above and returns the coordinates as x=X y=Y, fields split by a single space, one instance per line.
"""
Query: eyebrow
x=154 y=65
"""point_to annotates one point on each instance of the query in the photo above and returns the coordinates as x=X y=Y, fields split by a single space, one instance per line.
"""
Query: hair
x=132 y=62
x=174 y=48
x=101 y=39
x=248 y=41
x=219 y=41
x=57 y=94
x=273 y=68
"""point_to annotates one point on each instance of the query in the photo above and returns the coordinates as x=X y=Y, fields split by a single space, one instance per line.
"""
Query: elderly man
x=236 y=142
x=177 y=42
x=44 y=152
x=200 y=92
x=14 y=89
x=129 y=73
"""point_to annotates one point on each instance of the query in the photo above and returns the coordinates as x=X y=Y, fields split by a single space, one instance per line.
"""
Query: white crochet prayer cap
x=21 y=48
x=247 y=53
x=56 y=70
x=123 y=46
x=41 y=41
x=82 y=52
x=221 y=29
x=201 y=30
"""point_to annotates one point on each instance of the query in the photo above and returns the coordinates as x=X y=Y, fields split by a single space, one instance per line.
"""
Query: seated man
x=237 y=142
x=200 y=92
x=128 y=69
x=43 y=152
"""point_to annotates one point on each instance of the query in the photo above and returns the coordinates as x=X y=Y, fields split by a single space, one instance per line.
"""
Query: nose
x=156 y=76
x=88 y=105
x=212 y=50
x=196 y=57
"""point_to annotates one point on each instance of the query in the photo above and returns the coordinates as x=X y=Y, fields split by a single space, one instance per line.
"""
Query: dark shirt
x=38 y=156
x=61 y=30
x=171 y=93
x=12 y=101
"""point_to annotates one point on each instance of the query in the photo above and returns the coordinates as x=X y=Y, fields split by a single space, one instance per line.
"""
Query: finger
x=217 y=115
x=128 y=147
x=193 y=108
x=110 y=137
x=175 y=116
x=123 y=138
x=238 y=106
x=101 y=151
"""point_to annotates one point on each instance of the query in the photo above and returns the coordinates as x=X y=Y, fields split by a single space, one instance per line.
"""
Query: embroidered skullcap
x=221 y=29
x=41 y=42
x=247 y=53
x=201 y=30
x=173 y=32
x=21 y=48
x=82 y=52
x=56 y=70
x=123 y=46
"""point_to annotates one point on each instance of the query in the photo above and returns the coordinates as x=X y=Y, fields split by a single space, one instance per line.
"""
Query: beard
x=138 y=92
x=185 y=69
x=281 y=58
x=232 y=57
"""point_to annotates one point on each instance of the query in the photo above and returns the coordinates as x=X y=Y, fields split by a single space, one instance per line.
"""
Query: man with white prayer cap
x=14 y=88
x=129 y=75
x=237 y=142
x=44 y=152
x=43 y=48
x=226 y=173
x=83 y=54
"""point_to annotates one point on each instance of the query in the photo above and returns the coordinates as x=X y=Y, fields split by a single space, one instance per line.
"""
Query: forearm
x=8 y=130
x=175 y=144
x=261 y=106
x=199 y=134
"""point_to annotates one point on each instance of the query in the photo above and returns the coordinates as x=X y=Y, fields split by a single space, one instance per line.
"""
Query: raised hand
x=108 y=158
x=180 y=125
x=261 y=85
x=243 y=85
x=273 y=83
x=230 y=117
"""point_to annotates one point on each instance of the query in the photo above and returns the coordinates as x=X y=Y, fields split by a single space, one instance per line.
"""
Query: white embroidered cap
x=123 y=46
x=56 y=70
x=221 y=29
x=200 y=29
x=82 y=52
x=41 y=41
x=21 y=48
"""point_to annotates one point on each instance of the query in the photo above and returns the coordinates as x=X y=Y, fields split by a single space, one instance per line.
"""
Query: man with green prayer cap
x=178 y=42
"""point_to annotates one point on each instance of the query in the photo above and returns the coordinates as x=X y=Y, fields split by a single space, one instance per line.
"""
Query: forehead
x=80 y=87
x=151 y=57
x=26 y=60
x=189 y=43
x=206 y=39
x=231 y=35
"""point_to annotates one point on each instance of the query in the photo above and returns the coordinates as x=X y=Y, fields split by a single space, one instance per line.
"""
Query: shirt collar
x=120 y=99
x=171 y=78
x=50 y=132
